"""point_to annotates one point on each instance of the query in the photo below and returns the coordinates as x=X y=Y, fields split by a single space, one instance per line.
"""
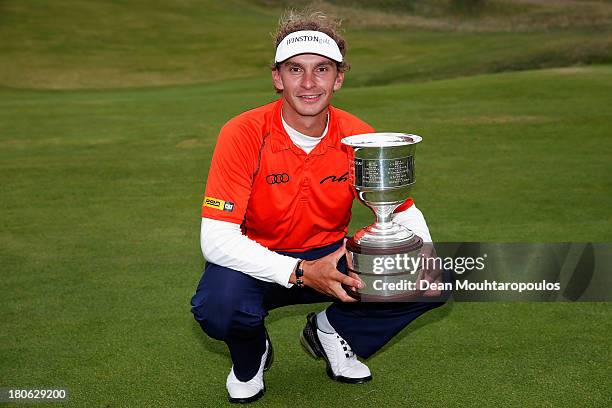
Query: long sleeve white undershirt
x=224 y=244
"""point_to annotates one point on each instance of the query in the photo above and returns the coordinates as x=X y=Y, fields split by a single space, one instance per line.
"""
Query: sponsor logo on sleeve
x=218 y=204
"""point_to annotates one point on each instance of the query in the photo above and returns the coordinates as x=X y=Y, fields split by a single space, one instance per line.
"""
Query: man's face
x=308 y=82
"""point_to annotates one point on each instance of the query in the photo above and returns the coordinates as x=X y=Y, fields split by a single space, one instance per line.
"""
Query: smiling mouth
x=310 y=98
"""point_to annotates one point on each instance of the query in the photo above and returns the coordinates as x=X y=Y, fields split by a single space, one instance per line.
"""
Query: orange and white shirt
x=280 y=197
x=283 y=198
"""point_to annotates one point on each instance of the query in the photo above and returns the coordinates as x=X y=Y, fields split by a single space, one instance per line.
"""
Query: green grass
x=117 y=44
x=101 y=191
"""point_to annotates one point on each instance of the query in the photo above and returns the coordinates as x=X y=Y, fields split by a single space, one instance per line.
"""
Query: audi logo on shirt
x=277 y=178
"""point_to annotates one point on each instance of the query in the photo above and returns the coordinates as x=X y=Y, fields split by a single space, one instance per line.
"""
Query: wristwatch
x=299 y=272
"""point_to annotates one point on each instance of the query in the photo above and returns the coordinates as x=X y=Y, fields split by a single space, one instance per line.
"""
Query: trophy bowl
x=382 y=173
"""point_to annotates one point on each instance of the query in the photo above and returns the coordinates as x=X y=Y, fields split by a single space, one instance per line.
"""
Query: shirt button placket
x=305 y=181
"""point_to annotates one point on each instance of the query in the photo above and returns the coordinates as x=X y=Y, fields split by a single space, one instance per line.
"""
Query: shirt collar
x=280 y=140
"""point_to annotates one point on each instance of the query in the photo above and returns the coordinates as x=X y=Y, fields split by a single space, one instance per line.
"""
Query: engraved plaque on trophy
x=382 y=173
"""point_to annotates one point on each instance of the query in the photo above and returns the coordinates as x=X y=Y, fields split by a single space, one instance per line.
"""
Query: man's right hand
x=322 y=276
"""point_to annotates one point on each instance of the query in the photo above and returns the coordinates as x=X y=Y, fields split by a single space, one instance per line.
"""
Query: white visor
x=307 y=42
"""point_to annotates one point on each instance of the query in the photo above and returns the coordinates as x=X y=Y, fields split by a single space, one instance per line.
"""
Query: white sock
x=323 y=324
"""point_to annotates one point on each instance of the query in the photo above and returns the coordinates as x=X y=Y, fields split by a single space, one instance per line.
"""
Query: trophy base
x=389 y=272
x=381 y=235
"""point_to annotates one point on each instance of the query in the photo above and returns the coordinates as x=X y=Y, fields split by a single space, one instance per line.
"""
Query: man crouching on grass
x=274 y=221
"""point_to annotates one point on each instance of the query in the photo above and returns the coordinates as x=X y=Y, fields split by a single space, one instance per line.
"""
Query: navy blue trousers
x=231 y=306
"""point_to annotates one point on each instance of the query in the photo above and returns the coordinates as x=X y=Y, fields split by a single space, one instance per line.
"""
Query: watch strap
x=299 y=273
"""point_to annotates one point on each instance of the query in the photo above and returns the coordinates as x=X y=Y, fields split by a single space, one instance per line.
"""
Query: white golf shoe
x=342 y=363
x=248 y=391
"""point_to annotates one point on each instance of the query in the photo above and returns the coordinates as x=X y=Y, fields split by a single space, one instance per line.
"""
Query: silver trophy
x=385 y=254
